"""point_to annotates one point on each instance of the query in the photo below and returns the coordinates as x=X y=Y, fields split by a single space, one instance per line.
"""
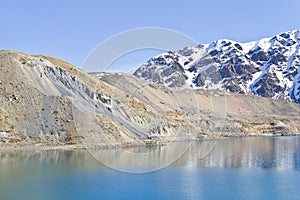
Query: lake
x=232 y=168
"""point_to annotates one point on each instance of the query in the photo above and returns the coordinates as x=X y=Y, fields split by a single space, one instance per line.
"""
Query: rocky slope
x=213 y=112
x=46 y=101
x=268 y=67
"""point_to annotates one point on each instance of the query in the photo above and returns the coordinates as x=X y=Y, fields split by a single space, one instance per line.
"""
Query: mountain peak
x=268 y=67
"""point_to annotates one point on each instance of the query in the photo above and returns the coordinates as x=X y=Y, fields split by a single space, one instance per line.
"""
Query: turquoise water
x=240 y=168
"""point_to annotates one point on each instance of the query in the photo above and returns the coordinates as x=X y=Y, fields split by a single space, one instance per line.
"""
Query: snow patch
x=247 y=46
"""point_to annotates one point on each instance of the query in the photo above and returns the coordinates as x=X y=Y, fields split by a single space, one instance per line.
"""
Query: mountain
x=268 y=67
x=47 y=102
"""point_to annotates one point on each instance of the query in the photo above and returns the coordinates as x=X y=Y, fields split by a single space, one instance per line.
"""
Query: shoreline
x=80 y=146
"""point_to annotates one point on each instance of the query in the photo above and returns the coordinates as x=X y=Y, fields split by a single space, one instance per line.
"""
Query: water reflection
x=21 y=163
x=141 y=159
x=256 y=152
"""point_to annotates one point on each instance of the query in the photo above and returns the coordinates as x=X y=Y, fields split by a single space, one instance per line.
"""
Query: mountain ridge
x=268 y=67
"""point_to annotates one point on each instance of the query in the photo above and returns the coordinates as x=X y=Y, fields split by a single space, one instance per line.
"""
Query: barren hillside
x=46 y=101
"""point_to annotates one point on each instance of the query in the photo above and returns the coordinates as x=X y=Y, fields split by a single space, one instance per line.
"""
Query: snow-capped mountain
x=268 y=67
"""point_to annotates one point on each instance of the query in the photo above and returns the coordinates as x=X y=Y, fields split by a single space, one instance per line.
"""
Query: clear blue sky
x=71 y=29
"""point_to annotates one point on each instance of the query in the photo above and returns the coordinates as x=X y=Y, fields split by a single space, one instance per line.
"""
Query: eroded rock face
x=268 y=67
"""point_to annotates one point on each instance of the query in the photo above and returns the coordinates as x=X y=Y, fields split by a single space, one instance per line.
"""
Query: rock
x=3 y=134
